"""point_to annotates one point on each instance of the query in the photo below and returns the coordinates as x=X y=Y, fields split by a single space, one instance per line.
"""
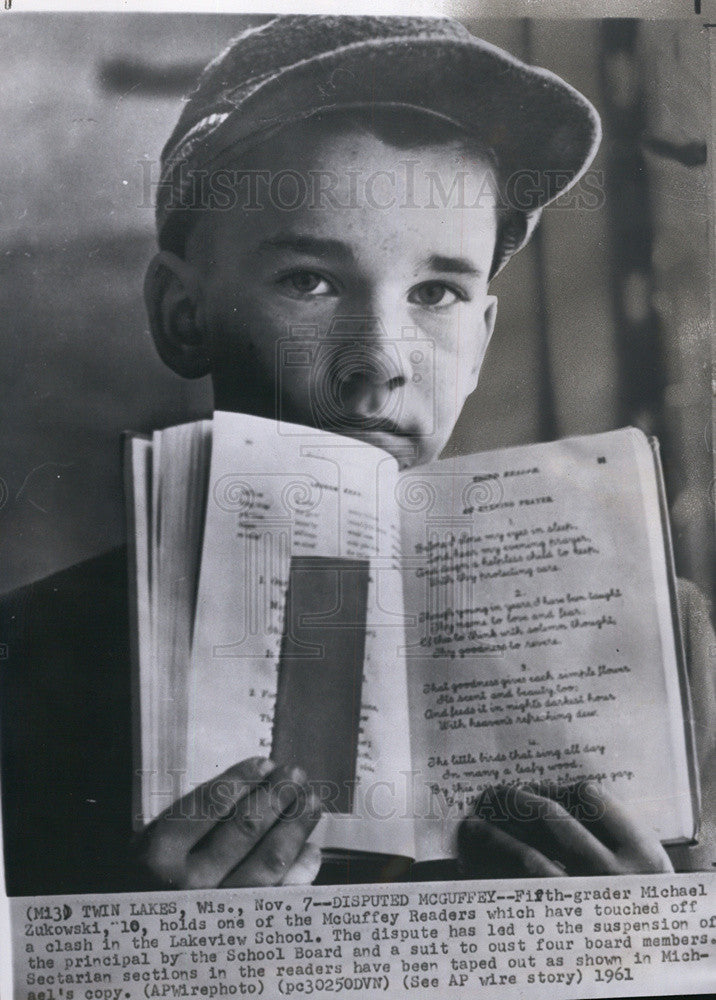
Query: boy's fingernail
x=298 y=775
x=314 y=806
x=264 y=766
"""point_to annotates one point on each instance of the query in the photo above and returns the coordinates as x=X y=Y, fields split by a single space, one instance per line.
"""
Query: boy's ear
x=489 y=318
x=172 y=298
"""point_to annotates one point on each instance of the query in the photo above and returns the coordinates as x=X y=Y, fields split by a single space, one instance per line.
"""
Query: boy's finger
x=278 y=853
x=306 y=866
x=616 y=827
x=486 y=850
x=548 y=827
x=161 y=849
x=188 y=819
x=233 y=838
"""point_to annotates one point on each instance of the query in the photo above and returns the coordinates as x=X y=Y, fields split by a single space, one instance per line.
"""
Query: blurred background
x=604 y=319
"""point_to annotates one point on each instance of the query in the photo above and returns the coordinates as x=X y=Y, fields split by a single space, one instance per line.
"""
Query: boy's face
x=354 y=298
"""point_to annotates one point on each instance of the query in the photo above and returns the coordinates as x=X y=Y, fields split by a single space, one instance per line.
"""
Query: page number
x=601 y=460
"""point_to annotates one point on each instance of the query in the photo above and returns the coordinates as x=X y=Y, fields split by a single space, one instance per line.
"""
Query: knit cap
x=537 y=127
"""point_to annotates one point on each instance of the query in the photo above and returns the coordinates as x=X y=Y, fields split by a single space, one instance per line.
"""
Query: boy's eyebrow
x=327 y=246
x=303 y=243
x=458 y=265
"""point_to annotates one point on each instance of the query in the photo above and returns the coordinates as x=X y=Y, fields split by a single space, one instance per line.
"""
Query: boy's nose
x=366 y=369
x=369 y=394
x=361 y=380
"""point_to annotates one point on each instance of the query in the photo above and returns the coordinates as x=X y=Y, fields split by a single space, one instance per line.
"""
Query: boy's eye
x=434 y=293
x=307 y=283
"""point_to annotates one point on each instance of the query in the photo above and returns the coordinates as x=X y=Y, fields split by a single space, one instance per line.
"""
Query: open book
x=409 y=638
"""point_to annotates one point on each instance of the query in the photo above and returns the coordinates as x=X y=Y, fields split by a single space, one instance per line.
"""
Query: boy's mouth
x=386 y=427
x=400 y=442
x=359 y=426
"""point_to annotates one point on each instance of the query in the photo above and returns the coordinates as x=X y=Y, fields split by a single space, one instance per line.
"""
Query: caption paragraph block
x=578 y=937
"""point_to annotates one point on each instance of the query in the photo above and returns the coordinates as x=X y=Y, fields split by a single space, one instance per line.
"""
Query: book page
x=181 y=458
x=138 y=477
x=298 y=610
x=539 y=635
x=168 y=485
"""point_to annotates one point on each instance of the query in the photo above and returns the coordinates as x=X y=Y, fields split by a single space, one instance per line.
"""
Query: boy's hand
x=247 y=827
x=550 y=830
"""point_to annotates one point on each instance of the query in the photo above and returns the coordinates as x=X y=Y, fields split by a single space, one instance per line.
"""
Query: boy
x=359 y=172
